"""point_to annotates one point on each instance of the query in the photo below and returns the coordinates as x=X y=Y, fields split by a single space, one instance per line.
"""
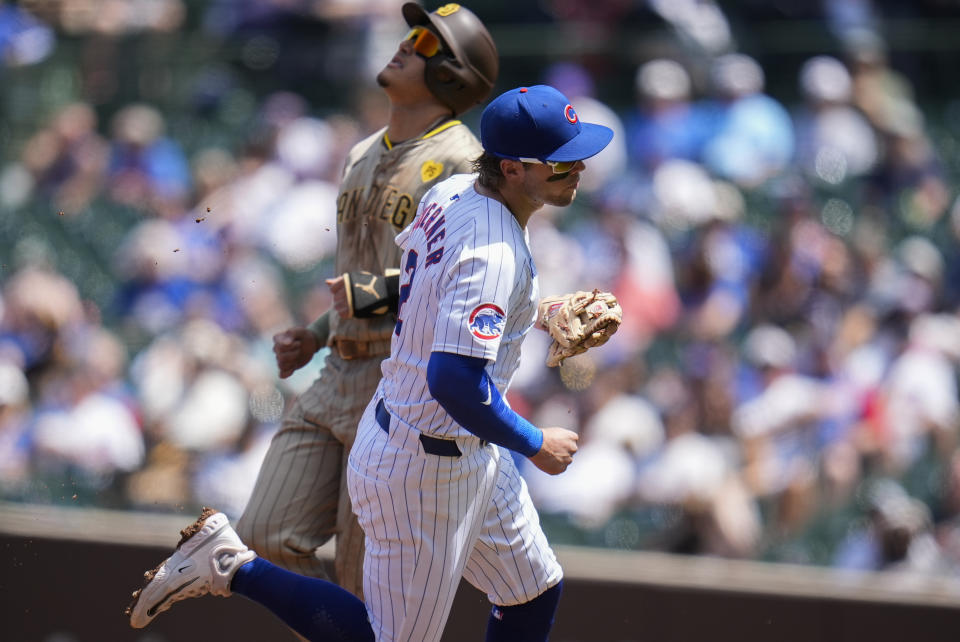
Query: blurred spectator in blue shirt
x=751 y=135
x=24 y=40
x=717 y=257
x=147 y=169
x=665 y=124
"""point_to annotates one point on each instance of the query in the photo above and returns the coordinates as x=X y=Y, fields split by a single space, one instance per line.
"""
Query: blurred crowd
x=783 y=387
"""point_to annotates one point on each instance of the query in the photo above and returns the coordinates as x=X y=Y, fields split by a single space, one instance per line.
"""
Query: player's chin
x=565 y=197
x=386 y=76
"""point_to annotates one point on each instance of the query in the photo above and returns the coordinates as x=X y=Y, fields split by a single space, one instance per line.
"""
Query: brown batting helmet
x=465 y=74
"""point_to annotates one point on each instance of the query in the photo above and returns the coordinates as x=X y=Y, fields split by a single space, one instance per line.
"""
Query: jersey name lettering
x=431 y=220
x=387 y=204
x=427 y=217
x=435 y=234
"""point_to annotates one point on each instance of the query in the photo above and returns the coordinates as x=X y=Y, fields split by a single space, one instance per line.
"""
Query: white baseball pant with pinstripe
x=469 y=516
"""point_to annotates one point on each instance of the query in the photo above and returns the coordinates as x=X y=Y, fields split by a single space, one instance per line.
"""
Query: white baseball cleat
x=208 y=555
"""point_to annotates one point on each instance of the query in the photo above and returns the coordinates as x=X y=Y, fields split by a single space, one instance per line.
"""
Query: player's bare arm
x=294 y=348
x=559 y=445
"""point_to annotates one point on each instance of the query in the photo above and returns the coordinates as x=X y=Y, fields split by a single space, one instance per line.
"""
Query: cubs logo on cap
x=486 y=321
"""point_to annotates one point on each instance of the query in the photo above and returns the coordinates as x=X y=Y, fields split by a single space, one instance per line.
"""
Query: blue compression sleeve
x=317 y=609
x=461 y=385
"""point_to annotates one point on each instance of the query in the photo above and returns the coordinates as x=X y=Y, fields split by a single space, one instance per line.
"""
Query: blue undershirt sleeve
x=462 y=386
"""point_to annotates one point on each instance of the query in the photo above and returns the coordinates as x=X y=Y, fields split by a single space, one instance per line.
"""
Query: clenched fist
x=294 y=348
x=556 y=453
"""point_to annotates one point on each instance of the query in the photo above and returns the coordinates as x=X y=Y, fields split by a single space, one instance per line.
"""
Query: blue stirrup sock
x=316 y=609
x=529 y=622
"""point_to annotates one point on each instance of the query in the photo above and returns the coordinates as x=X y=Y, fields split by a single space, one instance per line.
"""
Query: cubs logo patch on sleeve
x=486 y=321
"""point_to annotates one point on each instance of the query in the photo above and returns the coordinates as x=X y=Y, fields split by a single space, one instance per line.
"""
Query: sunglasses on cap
x=425 y=42
x=558 y=167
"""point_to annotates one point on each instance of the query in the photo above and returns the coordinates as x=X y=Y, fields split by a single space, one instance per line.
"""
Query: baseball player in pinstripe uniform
x=446 y=65
x=436 y=492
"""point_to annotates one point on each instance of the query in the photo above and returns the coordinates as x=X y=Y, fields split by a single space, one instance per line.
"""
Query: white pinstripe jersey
x=468 y=286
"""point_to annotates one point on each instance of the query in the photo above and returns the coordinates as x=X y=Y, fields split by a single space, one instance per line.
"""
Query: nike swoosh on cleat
x=489 y=396
x=183 y=568
x=153 y=609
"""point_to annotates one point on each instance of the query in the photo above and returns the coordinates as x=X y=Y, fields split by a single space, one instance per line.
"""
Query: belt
x=350 y=349
x=431 y=445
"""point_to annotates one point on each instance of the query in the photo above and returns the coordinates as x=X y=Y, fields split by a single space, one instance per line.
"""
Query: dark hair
x=488 y=167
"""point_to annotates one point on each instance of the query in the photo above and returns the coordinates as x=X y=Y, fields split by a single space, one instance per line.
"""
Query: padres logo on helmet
x=465 y=74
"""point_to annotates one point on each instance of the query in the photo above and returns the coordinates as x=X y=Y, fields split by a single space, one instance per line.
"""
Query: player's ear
x=511 y=167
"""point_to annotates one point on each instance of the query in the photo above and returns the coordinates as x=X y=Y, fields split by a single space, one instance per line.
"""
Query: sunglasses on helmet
x=425 y=43
x=558 y=167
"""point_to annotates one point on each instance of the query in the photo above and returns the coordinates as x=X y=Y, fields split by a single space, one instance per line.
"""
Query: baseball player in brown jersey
x=446 y=65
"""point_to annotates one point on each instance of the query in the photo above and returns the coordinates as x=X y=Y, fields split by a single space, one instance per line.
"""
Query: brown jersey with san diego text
x=382 y=185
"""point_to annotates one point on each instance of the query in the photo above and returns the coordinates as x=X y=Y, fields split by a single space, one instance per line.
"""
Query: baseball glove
x=577 y=322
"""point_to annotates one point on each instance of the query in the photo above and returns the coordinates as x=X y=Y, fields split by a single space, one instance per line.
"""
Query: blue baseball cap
x=539 y=123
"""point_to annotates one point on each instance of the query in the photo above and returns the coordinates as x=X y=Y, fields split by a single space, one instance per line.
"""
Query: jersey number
x=410 y=268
